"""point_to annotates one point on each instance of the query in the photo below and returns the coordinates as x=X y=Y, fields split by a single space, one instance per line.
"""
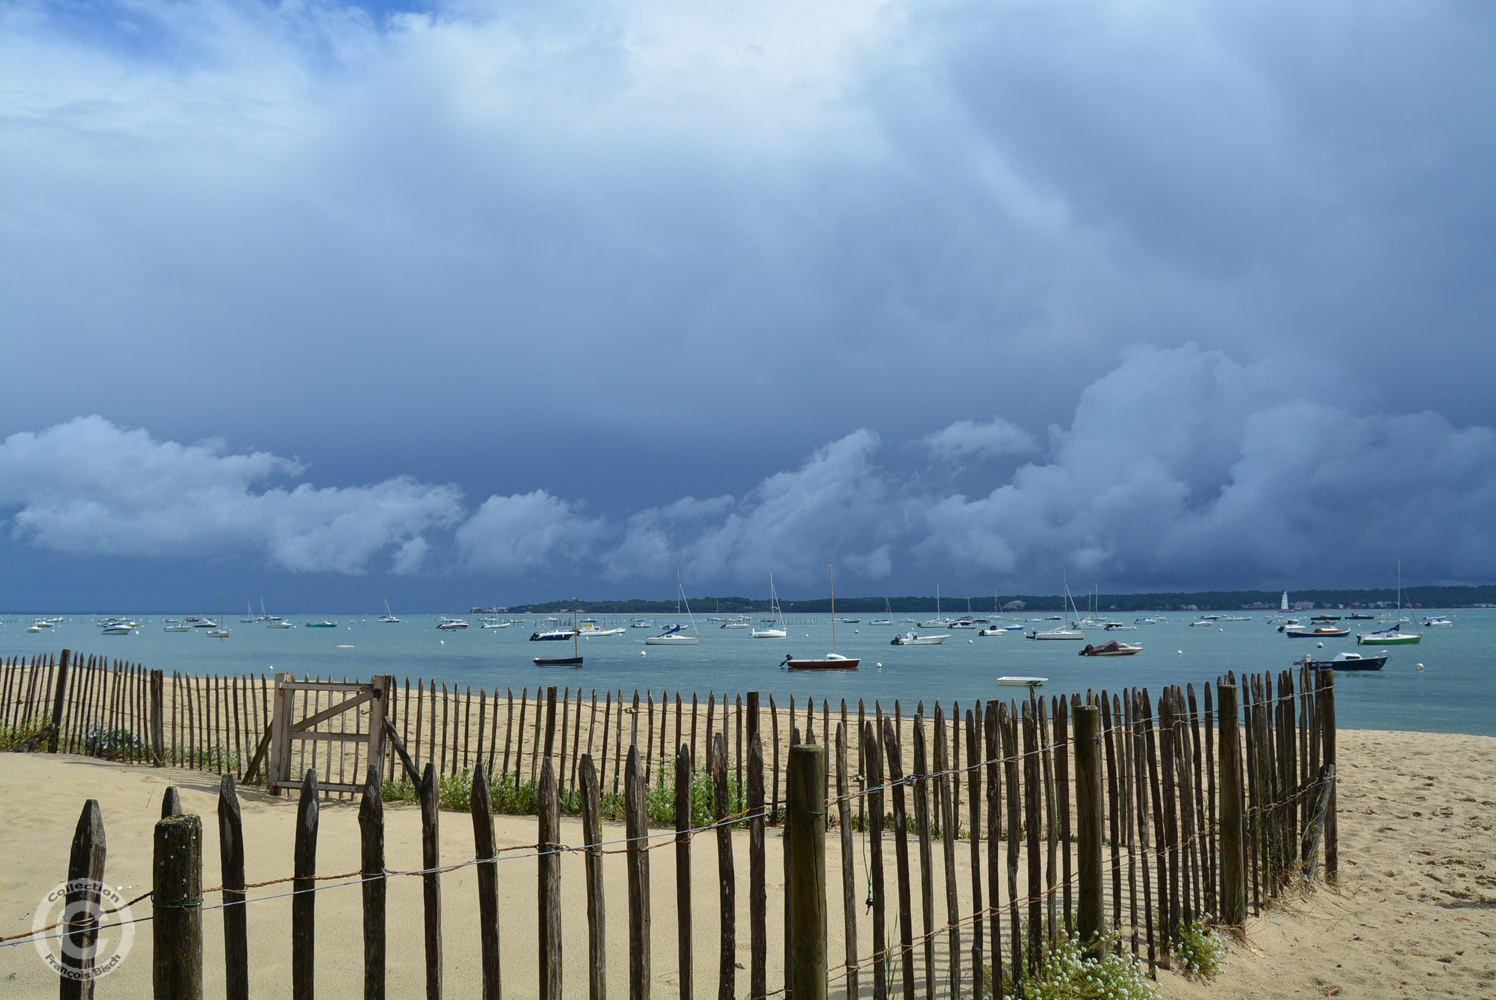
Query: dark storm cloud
x=815 y=279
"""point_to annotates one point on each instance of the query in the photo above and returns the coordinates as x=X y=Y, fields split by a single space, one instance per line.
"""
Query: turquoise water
x=1451 y=694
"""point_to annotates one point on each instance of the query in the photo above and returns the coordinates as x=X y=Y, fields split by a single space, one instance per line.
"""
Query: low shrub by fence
x=1116 y=813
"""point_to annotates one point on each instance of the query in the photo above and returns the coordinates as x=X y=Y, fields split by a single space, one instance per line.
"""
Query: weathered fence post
x=304 y=900
x=549 y=881
x=1090 y=917
x=158 y=723
x=1233 y=832
x=431 y=880
x=176 y=911
x=683 y=869
x=58 y=694
x=371 y=867
x=636 y=828
x=85 y=872
x=805 y=892
x=231 y=869
x=488 y=880
x=1326 y=704
x=597 y=950
x=727 y=888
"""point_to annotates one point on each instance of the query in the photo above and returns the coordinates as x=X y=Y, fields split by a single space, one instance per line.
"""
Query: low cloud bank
x=1180 y=468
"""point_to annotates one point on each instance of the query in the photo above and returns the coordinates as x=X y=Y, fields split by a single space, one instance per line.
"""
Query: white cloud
x=966 y=437
x=1184 y=468
x=835 y=506
x=525 y=533
x=88 y=486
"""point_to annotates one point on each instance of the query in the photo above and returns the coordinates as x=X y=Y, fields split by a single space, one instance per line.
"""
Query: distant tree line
x=1211 y=600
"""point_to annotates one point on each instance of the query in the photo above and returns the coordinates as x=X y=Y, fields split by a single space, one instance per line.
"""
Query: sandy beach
x=1413 y=915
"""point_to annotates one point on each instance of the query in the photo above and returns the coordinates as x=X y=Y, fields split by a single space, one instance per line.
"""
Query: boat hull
x=1374 y=639
x=1359 y=663
x=671 y=640
x=558 y=661
x=821 y=664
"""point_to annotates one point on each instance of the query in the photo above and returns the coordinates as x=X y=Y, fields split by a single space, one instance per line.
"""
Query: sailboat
x=938 y=621
x=779 y=629
x=387 y=617
x=832 y=660
x=887 y=618
x=676 y=635
x=221 y=631
x=1061 y=632
x=575 y=659
x=1393 y=635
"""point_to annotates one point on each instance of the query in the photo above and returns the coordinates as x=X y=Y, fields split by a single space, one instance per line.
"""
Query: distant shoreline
x=1417 y=599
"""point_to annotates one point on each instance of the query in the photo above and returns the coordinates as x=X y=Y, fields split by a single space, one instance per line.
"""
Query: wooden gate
x=286 y=729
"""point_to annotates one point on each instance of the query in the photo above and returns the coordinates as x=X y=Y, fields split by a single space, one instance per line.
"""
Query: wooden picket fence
x=1117 y=813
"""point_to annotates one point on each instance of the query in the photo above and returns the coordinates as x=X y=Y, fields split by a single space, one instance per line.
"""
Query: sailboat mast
x=833 y=606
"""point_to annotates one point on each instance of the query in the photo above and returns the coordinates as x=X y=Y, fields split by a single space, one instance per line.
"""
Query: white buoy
x=970 y=641
x=1319 y=645
x=1420 y=666
x=880 y=666
x=441 y=642
x=1178 y=652
x=643 y=652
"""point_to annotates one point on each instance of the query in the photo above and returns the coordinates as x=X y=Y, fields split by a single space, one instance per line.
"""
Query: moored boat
x=1113 y=648
x=676 y=635
x=1345 y=661
x=915 y=639
x=1393 y=636
x=575 y=659
x=831 y=661
x=1305 y=632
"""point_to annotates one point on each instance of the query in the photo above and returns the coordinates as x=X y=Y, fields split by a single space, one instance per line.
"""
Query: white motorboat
x=1113 y=648
x=1028 y=682
x=591 y=631
x=915 y=639
x=452 y=624
x=994 y=630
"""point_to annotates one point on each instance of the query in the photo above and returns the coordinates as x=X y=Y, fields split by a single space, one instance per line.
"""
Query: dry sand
x=1414 y=914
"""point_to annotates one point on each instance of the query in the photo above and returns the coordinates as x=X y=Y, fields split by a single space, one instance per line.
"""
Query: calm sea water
x=1442 y=685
